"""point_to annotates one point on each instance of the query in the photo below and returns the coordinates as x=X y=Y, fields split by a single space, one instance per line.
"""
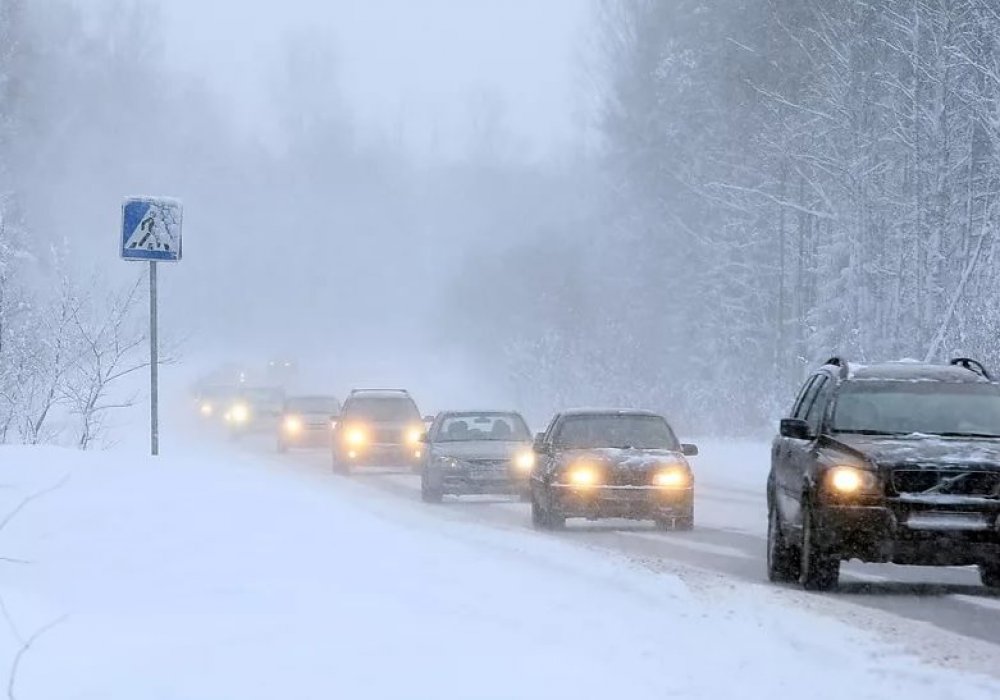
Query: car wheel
x=429 y=494
x=538 y=516
x=990 y=575
x=784 y=561
x=340 y=466
x=819 y=571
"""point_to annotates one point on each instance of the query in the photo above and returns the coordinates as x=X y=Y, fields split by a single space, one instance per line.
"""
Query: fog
x=517 y=203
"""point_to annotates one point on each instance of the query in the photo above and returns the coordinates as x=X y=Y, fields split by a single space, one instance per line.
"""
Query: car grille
x=387 y=436
x=948 y=482
x=492 y=464
x=629 y=477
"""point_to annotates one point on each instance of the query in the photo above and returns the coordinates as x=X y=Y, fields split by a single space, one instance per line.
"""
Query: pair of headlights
x=671 y=476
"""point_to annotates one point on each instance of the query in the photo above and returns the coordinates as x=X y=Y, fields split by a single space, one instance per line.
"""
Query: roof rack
x=971 y=365
x=837 y=361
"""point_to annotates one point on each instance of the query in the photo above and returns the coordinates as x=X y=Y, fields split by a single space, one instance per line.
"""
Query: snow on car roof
x=912 y=371
x=610 y=412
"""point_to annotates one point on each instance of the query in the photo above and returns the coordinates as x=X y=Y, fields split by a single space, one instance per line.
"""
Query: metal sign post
x=151 y=231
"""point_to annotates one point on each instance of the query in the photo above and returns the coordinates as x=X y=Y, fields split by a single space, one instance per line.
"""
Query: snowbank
x=219 y=576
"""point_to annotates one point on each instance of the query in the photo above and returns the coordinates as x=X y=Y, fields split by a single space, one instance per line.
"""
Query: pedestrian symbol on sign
x=151 y=229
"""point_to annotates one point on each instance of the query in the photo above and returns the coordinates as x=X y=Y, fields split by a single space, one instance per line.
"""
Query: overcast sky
x=409 y=66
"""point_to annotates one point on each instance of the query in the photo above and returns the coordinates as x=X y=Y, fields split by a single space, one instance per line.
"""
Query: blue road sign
x=151 y=229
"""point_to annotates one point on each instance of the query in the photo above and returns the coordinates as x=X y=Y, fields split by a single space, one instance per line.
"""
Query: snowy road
x=225 y=572
x=729 y=539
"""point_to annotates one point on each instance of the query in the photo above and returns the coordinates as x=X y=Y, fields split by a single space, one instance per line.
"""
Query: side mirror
x=425 y=438
x=689 y=450
x=539 y=445
x=795 y=428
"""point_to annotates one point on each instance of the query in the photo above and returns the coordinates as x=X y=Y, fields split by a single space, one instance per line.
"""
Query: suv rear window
x=382 y=408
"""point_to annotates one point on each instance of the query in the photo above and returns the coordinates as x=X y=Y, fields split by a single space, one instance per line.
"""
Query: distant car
x=612 y=464
x=895 y=462
x=477 y=452
x=255 y=410
x=306 y=421
x=211 y=401
x=378 y=427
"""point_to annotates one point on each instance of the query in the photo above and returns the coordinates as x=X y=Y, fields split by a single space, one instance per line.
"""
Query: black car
x=896 y=462
x=612 y=464
x=306 y=421
x=378 y=427
x=477 y=452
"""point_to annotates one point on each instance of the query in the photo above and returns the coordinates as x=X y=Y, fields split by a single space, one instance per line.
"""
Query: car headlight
x=240 y=413
x=672 y=477
x=206 y=409
x=413 y=436
x=850 y=480
x=582 y=475
x=356 y=437
x=524 y=461
x=293 y=424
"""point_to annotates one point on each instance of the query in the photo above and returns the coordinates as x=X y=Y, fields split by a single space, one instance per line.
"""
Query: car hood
x=625 y=458
x=485 y=449
x=922 y=450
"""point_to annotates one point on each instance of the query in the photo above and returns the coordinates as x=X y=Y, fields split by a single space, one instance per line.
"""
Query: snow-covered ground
x=216 y=574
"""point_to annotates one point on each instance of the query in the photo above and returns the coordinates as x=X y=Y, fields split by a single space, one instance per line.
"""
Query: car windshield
x=472 y=427
x=382 y=409
x=263 y=397
x=636 y=431
x=326 y=405
x=903 y=408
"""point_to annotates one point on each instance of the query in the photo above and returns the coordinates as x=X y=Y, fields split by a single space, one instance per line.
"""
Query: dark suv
x=378 y=427
x=896 y=462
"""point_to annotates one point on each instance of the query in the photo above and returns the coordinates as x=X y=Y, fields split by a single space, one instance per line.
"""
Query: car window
x=313 y=404
x=382 y=408
x=471 y=427
x=820 y=400
x=615 y=431
x=805 y=398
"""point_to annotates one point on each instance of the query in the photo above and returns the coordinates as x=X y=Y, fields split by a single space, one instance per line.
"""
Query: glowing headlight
x=672 y=478
x=355 y=437
x=582 y=475
x=524 y=461
x=850 y=480
x=239 y=413
x=413 y=436
x=206 y=409
x=293 y=424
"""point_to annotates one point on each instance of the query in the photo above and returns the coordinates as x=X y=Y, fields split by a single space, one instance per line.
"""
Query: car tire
x=990 y=575
x=819 y=571
x=340 y=466
x=784 y=561
x=544 y=519
x=429 y=494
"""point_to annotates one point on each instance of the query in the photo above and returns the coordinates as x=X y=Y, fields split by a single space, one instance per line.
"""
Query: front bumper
x=381 y=455
x=631 y=502
x=478 y=483
x=307 y=437
x=925 y=532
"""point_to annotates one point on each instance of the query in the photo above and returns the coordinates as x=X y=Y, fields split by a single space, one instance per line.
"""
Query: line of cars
x=590 y=464
x=895 y=462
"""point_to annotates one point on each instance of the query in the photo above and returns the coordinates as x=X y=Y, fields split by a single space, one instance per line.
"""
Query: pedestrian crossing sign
x=151 y=229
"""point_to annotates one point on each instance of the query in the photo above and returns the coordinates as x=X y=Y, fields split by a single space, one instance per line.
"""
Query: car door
x=802 y=453
x=541 y=477
x=787 y=481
